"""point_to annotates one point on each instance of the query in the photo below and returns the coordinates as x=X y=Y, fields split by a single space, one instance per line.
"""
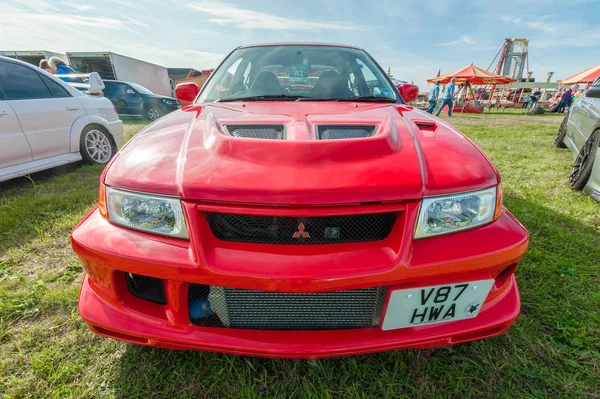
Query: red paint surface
x=187 y=154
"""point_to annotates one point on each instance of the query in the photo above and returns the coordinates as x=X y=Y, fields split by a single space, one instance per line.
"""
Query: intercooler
x=250 y=309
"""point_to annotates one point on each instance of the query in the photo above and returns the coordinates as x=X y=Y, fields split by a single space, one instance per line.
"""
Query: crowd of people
x=560 y=102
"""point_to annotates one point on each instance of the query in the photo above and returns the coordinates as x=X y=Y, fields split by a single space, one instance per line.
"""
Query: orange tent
x=587 y=76
x=473 y=76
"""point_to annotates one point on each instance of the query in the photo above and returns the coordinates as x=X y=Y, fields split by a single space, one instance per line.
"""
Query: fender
x=80 y=124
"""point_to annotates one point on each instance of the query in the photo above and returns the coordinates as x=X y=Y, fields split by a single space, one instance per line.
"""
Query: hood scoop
x=265 y=132
x=340 y=132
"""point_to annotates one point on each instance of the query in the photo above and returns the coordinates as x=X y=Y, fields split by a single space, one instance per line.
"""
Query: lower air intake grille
x=261 y=310
x=148 y=288
x=269 y=132
x=301 y=230
x=344 y=132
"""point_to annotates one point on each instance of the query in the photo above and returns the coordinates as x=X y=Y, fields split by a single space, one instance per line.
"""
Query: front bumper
x=167 y=108
x=114 y=321
x=108 y=251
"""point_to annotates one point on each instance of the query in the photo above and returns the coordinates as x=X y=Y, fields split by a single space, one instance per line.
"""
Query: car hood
x=190 y=154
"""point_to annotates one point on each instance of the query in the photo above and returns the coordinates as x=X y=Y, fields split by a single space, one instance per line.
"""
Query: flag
x=439 y=72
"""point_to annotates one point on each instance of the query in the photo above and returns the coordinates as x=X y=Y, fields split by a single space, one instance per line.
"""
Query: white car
x=45 y=122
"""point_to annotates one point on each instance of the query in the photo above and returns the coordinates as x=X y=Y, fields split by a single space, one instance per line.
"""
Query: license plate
x=435 y=304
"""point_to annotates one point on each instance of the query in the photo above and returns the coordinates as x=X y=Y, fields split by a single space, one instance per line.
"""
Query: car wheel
x=152 y=113
x=559 y=140
x=582 y=168
x=96 y=145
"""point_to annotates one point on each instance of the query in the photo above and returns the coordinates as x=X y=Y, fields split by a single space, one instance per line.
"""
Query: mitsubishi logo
x=301 y=232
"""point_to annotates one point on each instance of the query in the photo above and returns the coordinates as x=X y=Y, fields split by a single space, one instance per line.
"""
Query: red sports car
x=299 y=209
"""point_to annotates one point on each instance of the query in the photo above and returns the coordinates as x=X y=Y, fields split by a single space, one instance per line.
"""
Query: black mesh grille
x=301 y=230
x=269 y=132
x=344 y=132
x=261 y=310
x=148 y=288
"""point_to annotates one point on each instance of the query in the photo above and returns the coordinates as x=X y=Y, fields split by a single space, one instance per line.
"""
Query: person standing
x=535 y=97
x=565 y=100
x=447 y=99
x=434 y=93
x=59 y=67
x=44 y=65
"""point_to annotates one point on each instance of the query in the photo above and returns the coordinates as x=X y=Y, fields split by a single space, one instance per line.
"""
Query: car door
x=109 y=92
x=592 y=105
x=14 y=149
x=45 y=109
x=127 y=98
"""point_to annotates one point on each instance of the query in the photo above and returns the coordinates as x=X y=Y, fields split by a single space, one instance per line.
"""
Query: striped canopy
x=474 y=76
x=587 y=76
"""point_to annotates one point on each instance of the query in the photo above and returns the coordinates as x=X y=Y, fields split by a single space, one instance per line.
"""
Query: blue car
x=132 y=99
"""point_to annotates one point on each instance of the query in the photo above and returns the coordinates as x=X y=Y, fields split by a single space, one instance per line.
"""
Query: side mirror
x=408 y=92
x=187 y=91
x=130 y=92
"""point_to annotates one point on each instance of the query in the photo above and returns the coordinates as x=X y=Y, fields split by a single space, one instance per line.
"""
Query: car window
x=139 y=88
x=108 y=88
x=20 y=83
x=298 y=71
x=120 y=88
x=597 y=82
x=56 y=89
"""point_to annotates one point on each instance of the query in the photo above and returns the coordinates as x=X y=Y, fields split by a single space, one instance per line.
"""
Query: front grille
x=148 y=288
x=301 y=230
x=261 y=310
x=269 y=132
x=338 y=132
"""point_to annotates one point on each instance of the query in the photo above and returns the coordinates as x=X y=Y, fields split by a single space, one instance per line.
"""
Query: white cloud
x=134 y=21
x=228 y=14
x=37 y=5
x=463 y=39
x=79 y=7
x=25 y=19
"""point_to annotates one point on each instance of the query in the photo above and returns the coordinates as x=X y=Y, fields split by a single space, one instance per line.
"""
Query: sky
x=414 y=38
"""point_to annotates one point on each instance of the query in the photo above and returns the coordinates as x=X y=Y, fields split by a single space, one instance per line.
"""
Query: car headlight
x=146 y=212
x=450 y=213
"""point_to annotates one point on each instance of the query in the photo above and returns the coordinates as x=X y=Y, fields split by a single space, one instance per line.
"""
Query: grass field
x=552 y=351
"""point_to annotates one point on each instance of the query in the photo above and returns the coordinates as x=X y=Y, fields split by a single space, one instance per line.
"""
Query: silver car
x=580 y=132
x=44 y=122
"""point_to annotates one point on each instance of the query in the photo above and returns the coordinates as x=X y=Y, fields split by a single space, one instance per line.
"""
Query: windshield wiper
x=264 y=97
x=351 y=99
x=369 y=99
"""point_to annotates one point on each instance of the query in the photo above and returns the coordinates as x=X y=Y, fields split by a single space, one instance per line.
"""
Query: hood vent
x=426 y=125
x=337 y=132
x=267 y=132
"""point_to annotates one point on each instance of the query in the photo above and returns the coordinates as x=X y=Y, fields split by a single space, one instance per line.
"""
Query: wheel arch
x=83 y=122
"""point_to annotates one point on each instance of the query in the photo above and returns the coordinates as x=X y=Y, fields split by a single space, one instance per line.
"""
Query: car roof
x=316 y=44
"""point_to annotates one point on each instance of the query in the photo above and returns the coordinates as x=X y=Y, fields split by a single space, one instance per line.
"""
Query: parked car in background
x=299 y=209
x=44 y=122
x=132 y=99
x=580 y=132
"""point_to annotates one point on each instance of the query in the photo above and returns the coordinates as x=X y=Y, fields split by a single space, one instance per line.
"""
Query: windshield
x=299 y=73
x=140 y=88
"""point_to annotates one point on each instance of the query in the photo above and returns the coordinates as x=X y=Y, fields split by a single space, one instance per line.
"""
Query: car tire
x=559 y=140
x=96 y=145
x=152 y=113
x=582 y=168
